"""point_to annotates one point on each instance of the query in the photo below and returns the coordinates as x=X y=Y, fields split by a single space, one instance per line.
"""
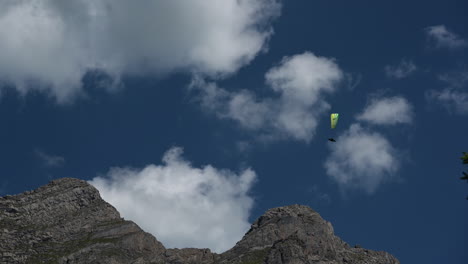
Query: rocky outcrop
x=297 y=234
x=66 y=221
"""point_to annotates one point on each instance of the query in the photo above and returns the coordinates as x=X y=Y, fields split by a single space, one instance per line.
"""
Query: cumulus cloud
x=454 y=96
x=441 y=37
x=400 y=71
x=362 y=160
x=49 y=160
x=387 y=111
x=35 y=46
x=50 y=44
x=299 y=82
x=181 y=205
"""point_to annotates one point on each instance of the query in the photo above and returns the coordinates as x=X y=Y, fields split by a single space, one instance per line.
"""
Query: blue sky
x=202 y=116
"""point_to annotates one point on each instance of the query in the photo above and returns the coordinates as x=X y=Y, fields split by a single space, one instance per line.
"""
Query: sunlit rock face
x=66 y=221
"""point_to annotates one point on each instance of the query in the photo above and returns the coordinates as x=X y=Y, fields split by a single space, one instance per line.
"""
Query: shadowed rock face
x=66 y=221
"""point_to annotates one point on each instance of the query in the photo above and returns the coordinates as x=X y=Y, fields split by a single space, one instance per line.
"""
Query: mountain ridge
x=66 y=221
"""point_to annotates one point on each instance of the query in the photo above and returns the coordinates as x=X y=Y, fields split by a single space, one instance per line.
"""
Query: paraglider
x=333 y=122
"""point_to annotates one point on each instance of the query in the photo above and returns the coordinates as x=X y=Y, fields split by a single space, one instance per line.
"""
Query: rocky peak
x=298 y=234
x=66 y=221
x=282 y=222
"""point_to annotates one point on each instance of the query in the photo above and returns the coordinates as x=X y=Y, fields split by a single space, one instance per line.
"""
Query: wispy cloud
x=441 y=37
x=319 y=197
x=362 y=160
x=300 y=82
x=401 y=70
x=181 y=205
x=452 y=99
x=243 y=147
x=121 y=37
x=455 y=79
x=352 y=80
x=454 y=96
x=387 y=111
x=49 y=160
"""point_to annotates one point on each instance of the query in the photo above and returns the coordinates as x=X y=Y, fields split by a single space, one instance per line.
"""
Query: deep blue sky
x=420 y=216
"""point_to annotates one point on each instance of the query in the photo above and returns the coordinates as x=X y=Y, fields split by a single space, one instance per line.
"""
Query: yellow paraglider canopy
x=334 y=120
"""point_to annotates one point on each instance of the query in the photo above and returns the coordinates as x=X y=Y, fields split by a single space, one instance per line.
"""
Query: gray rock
x=66 y=221
x=297 y=234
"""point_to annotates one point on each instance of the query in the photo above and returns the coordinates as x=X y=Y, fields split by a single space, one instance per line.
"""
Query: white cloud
x=451 y=99
x=387 y=111
x=50 y=44
x=300 y=82
x=49 y=160
x=400 y=71
x=361 y=160
x=455 y=79
x=182 y=206
x=443 y=38
x=35 y=46
x=454 y=97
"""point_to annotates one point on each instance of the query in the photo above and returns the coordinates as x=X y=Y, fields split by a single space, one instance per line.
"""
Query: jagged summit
x=298 y=234
x=66 y=221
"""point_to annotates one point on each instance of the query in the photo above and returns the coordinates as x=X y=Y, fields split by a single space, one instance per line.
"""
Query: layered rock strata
x=66 y=221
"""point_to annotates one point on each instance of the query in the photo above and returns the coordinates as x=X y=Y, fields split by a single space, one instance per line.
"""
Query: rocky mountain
x=66 y=221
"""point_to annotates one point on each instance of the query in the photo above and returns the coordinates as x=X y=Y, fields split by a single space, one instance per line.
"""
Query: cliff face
x=66 y=221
